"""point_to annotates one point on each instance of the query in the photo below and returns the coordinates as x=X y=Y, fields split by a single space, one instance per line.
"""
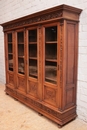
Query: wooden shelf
x=32 y=42
x=9 y=42
x=52 y=79
x=33 y=58
x=50 y=42
x=30 y=78
x=10 y=53
x=20 y=72
x=21 y=57
x=21 y=43
x=11 y=67
x=51 y=60
x=51 y=67
x=32 y=74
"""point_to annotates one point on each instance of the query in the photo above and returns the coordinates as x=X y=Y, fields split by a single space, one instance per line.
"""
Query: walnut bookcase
x=41 y=61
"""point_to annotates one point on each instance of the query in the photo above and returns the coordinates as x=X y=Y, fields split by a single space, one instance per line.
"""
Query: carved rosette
x=61 y=54
x=35 y=19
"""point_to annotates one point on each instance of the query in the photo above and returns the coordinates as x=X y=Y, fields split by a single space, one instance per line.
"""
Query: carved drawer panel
x=33 y=87
x=50 y=95
x=21 y=83
x=11 y=79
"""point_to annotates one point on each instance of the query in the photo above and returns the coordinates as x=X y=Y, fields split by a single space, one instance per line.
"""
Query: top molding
x=52 y=14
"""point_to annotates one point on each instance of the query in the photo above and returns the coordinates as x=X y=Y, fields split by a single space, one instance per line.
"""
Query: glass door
x=51 y=54
x=20 y=46
x=10 y=51
x=32 y=53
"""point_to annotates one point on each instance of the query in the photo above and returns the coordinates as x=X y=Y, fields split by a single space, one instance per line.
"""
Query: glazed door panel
x=50 y=68
x=10 y=66
x=21 y=52
x=32 y=58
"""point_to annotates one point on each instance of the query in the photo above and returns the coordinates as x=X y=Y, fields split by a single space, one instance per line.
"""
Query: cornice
x=33 y=20
x=39 y=17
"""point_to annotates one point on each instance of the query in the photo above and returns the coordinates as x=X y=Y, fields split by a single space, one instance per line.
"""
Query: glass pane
x=21 y=65
x=32 y=51
x=20 y=37
x=21 y=50
x=51 y=51
x=33 y=35
x=10 y=52
x=10 y=48
x=50 y=72
x=10 y=37
x=20 y=41
x=51 y=54
x=33 y=68
x=51 y=33
x=10 y=60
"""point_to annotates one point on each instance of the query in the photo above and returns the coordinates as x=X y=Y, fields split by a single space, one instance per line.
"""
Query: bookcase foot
x=40 y=114
x=59 y=126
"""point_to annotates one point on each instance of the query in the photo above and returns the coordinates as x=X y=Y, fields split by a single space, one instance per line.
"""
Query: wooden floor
x=16 y=116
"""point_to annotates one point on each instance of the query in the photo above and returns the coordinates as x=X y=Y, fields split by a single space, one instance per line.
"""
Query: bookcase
x=41 y=54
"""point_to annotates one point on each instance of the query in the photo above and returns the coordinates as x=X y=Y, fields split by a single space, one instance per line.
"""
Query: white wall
x=12 y=9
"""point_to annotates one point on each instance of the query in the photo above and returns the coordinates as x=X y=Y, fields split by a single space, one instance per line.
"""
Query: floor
x=16 y=116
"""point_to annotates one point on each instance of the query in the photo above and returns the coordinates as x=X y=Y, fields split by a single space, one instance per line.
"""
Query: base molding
x=61 y=118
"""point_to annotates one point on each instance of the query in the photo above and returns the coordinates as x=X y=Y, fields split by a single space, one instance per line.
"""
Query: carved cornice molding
x=45 y=15
x=34 y=20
